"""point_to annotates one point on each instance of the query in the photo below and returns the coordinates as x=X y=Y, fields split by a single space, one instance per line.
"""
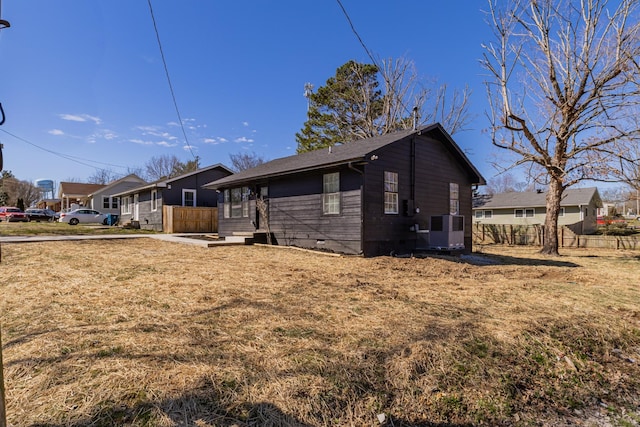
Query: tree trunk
x=554 y=196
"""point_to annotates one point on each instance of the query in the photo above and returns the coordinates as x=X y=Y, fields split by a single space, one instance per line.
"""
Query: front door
x=136 y=207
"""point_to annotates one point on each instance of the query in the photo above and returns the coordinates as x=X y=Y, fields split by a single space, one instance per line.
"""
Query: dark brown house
x=394 y=193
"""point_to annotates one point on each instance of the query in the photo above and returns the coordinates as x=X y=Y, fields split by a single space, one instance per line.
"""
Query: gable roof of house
x=343 y=154
x=131 y=178
x=535 y=199
x=78 y=188
x=162 y=183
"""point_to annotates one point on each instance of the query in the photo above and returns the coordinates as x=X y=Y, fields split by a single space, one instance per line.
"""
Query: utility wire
x=353 y=28
x=366 y=49
x=166 y=71
x=75 y=159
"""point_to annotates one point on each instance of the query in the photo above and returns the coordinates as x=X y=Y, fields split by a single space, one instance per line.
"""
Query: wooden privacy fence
x=533 y=235
x=184 y=219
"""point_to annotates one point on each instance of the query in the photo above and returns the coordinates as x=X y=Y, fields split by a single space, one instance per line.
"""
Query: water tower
x=46 y=188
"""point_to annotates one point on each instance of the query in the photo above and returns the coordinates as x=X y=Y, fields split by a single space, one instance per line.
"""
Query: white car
x=84 y=216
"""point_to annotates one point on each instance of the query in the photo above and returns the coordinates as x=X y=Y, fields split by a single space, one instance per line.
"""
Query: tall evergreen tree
x=346 y=108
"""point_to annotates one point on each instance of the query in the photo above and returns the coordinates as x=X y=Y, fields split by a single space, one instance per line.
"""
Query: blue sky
x=84 y=80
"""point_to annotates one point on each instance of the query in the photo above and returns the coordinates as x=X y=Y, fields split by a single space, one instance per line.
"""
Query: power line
x=166 y=71
x=366 y=49
x=353 y=28
x=69 y=157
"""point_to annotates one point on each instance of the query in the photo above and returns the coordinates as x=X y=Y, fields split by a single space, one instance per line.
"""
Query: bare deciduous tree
x=366 y=100
x=563 y=86
x=243 y=160
x=159 y=167
x=405 y=90
x=103 y=176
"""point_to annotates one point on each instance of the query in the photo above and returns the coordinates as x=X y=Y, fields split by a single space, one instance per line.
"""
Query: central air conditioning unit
x=446 y=232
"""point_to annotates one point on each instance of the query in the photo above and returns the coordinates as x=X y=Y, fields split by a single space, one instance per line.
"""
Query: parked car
x=84 y=216
x=11 y=214
x=40 y=214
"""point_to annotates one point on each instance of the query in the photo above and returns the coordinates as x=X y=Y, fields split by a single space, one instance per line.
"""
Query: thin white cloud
x=187 y=147
x=245 y=124
x=165 y=144
x=56 y=132
x=243 y=139
x=81 y=118
x=141 y=142
x=215 y=140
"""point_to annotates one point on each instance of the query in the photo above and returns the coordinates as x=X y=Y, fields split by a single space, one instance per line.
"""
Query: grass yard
x=60 y=229
x=150 y=333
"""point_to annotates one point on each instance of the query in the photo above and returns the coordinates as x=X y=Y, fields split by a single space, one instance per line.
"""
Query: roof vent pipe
x=415 y=118
x=330 y=149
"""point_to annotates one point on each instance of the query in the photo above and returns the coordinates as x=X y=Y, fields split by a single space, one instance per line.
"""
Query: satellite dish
x=4 y=24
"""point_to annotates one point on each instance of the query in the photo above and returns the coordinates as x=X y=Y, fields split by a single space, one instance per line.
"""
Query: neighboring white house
x=578 y=205
x=104 y=199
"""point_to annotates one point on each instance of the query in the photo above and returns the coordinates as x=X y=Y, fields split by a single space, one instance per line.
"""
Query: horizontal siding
x=299 y=221
x=435 y=168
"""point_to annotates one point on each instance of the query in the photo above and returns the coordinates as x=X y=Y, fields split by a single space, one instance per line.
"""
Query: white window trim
x=454 y=198
x=108 y=200
x=525 y=213
x=126 y=205
x=395 y=208
x=154 y=200
x=189 y=190
x=328 y=198
x=490 y=212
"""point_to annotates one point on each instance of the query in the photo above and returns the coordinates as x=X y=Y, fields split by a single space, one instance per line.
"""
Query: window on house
x=227 y=204
x=488 y=214
x=454 y=198
x=154 y=200
x=236 y=202
x=331 y=193
x=479 y=214
x=390 y=192
x=245 y=201
x=106 y=202
x=188 y=197
x=115 y=202
x=561 y=213
x=524 y=213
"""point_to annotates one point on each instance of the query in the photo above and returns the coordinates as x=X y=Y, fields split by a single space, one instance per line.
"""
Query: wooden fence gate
x=185 y=219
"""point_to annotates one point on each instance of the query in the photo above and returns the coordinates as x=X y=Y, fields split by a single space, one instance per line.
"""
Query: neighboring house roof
x=342 y=154
x=534 y=199
x=162 y=183
x=78 y=189
x=131 y=178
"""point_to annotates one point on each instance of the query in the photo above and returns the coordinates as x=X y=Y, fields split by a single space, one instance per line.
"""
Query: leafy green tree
x=346 y=108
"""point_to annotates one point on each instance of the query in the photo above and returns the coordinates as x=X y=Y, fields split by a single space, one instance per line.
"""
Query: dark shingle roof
x=338 y=154
x=531 y=199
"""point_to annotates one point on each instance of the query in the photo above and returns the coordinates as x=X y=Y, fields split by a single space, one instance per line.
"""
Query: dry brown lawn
x=150 y=333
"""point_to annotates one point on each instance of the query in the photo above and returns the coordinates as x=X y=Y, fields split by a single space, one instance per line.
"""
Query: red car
x=11 y=214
